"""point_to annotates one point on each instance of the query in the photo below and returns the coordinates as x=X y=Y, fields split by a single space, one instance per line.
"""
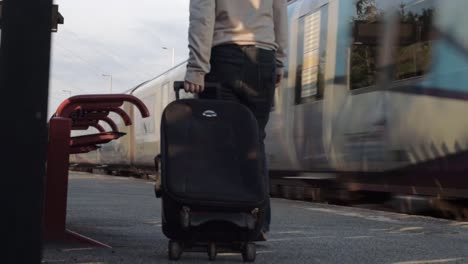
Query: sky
x=124 y=39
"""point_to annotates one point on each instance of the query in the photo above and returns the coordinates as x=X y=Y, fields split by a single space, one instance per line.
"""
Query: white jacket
x=242 y=22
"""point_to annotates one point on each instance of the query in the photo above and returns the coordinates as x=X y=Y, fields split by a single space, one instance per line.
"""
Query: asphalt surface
x=123 y=213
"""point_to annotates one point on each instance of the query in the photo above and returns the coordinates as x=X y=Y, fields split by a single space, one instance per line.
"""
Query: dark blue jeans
x=246 y=75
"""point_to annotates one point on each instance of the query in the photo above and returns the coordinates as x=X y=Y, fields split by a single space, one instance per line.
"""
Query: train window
x=311 y=52
x=415 y=42
x=413 y=53
x=367 y=29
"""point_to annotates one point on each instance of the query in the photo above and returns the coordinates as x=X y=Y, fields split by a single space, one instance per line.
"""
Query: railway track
x=322 y=188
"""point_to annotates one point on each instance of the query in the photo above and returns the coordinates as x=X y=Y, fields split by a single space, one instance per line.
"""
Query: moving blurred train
x=375 y=92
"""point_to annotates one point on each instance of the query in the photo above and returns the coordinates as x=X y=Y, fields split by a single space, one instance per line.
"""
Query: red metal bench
x=78 y=113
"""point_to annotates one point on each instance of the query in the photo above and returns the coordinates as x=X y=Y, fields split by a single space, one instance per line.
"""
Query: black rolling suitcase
x=213 y=197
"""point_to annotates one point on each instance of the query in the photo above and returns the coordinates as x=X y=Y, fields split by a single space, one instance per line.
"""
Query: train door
x=428 y=90
x=410 y=50
x=358 y=107
x=308 y=81
x=279 y=141
x=450 y=78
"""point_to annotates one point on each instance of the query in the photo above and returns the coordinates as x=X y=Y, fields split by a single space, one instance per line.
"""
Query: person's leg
x=246 y=74
x=258 y=86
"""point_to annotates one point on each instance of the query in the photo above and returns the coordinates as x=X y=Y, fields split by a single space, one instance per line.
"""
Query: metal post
x=25 y=130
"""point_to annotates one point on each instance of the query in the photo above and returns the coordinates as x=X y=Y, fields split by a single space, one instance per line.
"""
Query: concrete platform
x=123 y=213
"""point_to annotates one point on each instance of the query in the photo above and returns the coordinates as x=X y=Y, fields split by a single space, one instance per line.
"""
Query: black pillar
x=24 y=79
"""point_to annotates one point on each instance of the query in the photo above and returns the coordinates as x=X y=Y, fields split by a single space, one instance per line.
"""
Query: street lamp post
x=173 y=55
x=110 y=76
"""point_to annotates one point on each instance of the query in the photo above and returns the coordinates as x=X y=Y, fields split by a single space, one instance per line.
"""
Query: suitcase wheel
x=175 y=250
x=212 y=252
x=249 y=252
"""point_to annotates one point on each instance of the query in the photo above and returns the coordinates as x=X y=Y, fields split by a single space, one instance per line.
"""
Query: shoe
x=157 y=187
x=262 y=236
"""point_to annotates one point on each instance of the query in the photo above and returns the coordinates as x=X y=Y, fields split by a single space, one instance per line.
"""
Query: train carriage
x=374 y=91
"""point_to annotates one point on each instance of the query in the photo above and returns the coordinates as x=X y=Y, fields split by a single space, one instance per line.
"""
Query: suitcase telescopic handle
x=179 y=85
